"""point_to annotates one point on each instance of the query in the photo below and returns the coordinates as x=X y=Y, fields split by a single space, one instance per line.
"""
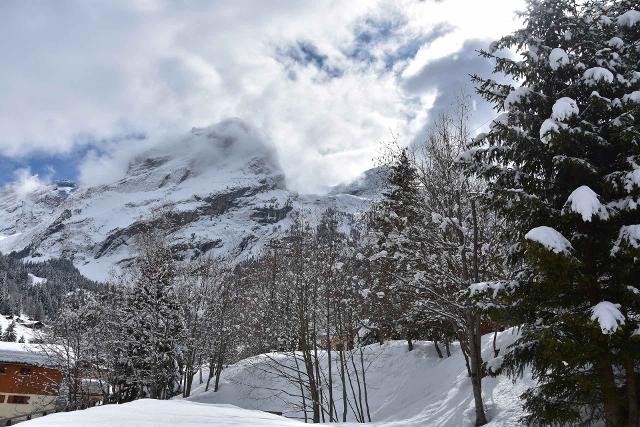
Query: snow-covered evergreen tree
x=154 y=325
x=562 y=162
x=390 y=221
x=9 y=334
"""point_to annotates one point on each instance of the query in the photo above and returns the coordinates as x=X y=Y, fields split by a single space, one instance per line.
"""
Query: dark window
x=1 y=398
x=25 y=371
x=21 y=400
x=3 y=370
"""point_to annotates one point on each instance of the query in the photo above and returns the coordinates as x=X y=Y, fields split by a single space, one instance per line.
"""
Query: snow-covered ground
x=160 y=413
x=35 y=280
x=405 y=389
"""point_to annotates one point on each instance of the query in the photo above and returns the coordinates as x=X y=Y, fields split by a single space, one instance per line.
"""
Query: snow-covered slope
x=224 y=183
x=23 y=326
x=405 y=388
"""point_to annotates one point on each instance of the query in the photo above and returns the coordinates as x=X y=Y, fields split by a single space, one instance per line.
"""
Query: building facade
x=28 y=384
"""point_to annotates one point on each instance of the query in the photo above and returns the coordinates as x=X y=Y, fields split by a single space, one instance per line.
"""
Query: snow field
x=405 y=388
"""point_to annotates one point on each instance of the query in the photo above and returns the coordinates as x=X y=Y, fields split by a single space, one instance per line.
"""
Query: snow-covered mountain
x=225 y=185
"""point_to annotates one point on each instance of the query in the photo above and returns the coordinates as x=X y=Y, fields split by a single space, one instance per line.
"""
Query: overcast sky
x=81 y=82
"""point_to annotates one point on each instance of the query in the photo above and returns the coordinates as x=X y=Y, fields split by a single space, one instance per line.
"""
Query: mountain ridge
x=226 y=188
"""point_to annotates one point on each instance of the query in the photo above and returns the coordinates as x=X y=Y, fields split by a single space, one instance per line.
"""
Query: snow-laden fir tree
x=154 y=325
x=389 y=219
x=9 y=334
x=563 y=165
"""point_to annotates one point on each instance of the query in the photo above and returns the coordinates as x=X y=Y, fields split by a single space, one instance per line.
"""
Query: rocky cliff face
x=227 y=193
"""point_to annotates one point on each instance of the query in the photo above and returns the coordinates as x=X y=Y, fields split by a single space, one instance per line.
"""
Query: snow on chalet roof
x=27 y=354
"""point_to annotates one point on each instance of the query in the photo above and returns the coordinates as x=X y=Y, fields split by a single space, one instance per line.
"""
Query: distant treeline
x=18 y=293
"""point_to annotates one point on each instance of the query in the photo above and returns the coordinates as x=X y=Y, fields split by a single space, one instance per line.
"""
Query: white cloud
x=73 y=69
x=26 y=183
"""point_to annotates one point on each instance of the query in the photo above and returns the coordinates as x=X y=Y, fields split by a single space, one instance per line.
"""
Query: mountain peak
x=223 y=182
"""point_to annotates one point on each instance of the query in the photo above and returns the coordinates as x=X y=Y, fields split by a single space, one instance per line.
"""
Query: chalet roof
x=22 y=353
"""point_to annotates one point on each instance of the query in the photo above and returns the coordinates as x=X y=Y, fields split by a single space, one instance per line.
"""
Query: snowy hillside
x=224 y=182
x=405 y=388
x=23 y=326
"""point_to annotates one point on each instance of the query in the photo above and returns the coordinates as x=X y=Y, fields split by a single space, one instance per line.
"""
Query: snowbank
x=160 y=413
x=405 y=388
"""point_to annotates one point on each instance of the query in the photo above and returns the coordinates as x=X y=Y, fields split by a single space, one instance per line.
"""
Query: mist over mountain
x=227 y=192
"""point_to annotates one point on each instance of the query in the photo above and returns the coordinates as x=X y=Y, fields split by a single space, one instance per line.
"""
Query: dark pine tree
x=154 y=322
x=9 y=334
x=562 y=164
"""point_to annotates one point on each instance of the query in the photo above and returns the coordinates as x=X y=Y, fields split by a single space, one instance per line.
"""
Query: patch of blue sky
x=386 y=42
x=56 y=167
x=305 y=53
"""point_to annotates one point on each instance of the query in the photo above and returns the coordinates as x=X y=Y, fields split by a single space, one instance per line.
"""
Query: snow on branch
x=615 y=43
x=564 y=108
x=629 y=18
x=608 y=315
x=632 y=178
x=482 y=287
x=516 y=96
x=550 y=239
x=584 y=201
x=629 y=234
x=594 y=75
x=549 y=127
x=633 y=97
x=557 y=58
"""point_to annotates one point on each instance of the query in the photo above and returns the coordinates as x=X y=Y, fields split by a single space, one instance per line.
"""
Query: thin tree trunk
x=344 y=387
x=610 y=397
x=329 y=362
x=302 y=395
x=211 y=373
x=188 y=382
x=435 y=344
x=364 y=384
x=219 y=367
x=632 y=392
x=355 y=371
x=476 y=368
